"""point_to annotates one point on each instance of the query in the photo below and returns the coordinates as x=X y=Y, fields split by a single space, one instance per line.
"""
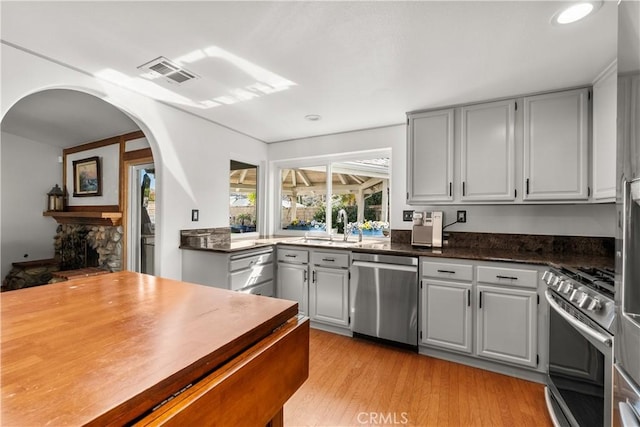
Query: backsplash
x=206 y=237
x=577 y=245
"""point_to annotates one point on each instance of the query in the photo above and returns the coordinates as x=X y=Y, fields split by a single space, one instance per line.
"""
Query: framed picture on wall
x=87 y=180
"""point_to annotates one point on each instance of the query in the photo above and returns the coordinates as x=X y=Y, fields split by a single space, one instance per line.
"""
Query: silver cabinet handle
x=506 y=277
x=447 y=271
x=305 y=276
x=291 y=256
x=468 y=297
x=329 y=259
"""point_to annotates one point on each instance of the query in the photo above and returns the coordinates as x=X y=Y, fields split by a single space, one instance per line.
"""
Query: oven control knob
x=557 y=281
x=595 y=305
x=548 y=277
x=575 y=295
x=583 y=299
x=568 y=287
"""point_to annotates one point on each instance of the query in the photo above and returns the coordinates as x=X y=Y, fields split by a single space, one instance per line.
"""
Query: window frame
x=276 y=167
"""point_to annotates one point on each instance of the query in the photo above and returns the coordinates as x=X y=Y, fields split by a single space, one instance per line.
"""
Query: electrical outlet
x=462 y=216
x=407 y=215
x=195 y=214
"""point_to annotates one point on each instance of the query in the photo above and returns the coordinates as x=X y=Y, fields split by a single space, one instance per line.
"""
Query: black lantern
x=55 y=200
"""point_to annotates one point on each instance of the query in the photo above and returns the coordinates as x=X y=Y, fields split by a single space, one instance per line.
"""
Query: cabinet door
x=293 y=284
x=487 y=151
x=604 y=136
x=556 y=135
x=329 y=296
x=507 y=325
x=446 y=315
x=430 y=157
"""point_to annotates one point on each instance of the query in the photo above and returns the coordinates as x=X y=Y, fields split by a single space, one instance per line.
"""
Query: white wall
x=191 y=155
x=29 y=170
x=574 y=220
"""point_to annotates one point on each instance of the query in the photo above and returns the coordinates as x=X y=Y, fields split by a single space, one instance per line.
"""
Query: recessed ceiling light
x=313 y=117
x=575 y=12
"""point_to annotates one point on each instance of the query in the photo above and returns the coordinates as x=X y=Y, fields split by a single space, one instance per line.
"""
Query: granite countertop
x=525 y=249
x=492 y=254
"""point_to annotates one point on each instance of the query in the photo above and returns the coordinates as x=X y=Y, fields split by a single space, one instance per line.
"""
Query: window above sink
x=312 y=191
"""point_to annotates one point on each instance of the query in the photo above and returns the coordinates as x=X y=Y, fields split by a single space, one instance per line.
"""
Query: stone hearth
x=76 y=247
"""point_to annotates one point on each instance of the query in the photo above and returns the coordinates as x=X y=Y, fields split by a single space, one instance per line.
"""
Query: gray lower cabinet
x=506 y=319
x=445 y=304
x=447 y=315
x=293 y=277
x=249 y=271
x=329 y=289
x=484 y=310
x=506 y=325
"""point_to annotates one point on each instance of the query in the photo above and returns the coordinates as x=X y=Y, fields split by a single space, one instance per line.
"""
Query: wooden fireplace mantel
x=86 y=217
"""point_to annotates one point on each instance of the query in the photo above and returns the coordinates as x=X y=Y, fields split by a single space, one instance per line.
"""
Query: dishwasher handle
x=383 y=266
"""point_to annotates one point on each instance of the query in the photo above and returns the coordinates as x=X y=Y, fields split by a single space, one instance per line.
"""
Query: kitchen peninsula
x=127 y=348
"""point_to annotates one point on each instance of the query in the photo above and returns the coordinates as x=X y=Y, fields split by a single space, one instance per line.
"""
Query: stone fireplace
x=76 y=246
x=81 y=246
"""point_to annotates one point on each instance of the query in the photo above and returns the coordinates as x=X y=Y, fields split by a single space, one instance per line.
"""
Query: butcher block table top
x=106 y=349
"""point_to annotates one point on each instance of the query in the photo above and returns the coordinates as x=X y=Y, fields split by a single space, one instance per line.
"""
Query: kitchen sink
x=336 y=243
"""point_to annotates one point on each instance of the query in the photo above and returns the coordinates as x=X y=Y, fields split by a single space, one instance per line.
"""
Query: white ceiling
x=65 y=118
x=357 y=64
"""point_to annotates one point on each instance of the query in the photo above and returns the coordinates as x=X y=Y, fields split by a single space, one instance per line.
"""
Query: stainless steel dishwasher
x=384 y=297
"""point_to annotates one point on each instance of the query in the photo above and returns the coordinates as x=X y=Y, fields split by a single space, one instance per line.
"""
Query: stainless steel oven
x=579 y=383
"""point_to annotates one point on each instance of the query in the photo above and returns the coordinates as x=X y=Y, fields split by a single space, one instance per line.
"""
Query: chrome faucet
x=342 y=218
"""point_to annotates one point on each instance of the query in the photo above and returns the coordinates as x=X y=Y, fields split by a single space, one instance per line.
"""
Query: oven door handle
x=627 y=415
x=576 y=323
x=552 y=412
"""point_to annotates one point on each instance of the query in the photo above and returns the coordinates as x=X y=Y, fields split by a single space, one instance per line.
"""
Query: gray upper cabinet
x=488 y=151
x=604 y=135
x=556 y=146
x=430 y=157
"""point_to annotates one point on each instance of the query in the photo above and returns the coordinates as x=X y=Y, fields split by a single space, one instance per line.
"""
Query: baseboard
x=488 y=365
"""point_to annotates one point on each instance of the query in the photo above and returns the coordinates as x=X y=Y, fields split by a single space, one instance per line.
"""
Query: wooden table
x=106 y=350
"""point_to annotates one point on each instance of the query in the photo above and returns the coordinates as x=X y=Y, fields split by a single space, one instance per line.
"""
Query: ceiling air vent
x=171 y=71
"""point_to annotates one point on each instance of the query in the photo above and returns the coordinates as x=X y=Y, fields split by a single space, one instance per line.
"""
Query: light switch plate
x=195 y=214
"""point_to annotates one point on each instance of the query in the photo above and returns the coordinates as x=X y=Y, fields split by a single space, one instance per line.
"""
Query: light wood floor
x=353 y=382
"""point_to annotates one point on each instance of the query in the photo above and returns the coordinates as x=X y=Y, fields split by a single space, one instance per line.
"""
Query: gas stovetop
x=589 y=290
x=599 y=279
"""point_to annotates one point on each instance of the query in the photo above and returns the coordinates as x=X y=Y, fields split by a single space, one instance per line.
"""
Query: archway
x=39 y=133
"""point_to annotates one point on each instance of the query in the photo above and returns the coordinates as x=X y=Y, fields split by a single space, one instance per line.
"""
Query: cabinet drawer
x=248 y=261
x=297 y=256
x=331 y=259
x=251 y=276
x=447 y=271
x=508 y=276
x=266 y=289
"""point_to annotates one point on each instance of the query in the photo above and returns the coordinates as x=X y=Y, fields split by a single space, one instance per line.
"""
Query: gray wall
x=29 y=170
x=570 y=220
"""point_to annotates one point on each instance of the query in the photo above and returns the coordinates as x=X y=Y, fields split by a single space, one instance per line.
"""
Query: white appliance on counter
x=427 y=229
